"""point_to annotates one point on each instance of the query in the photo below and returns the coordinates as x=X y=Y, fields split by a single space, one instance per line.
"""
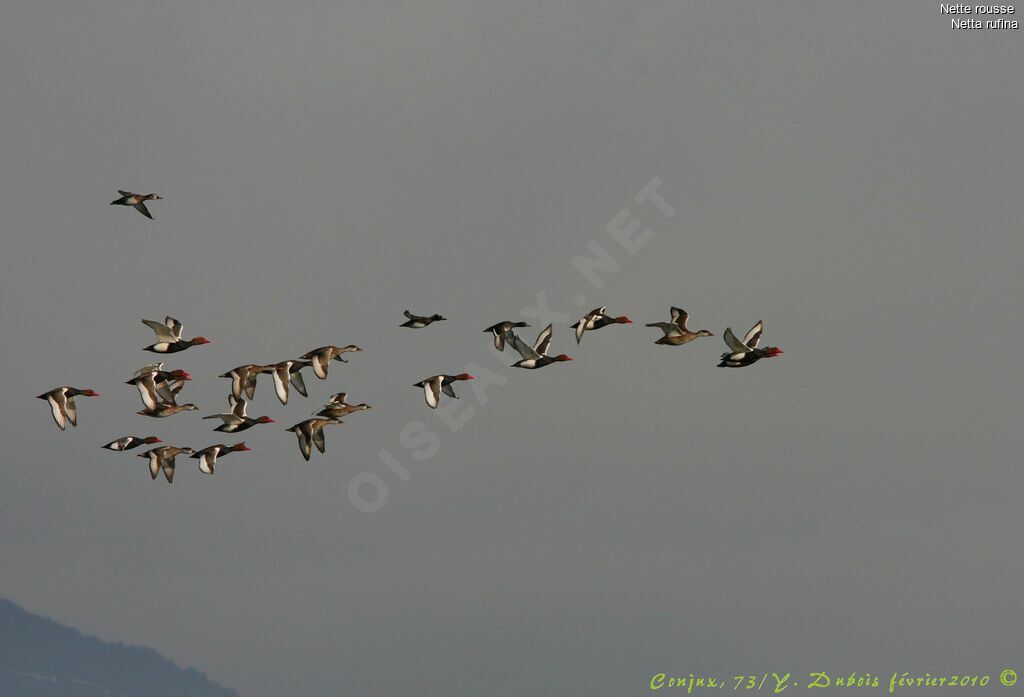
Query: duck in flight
x=129 y=442
x=164 y=410
x=676 y=333
x=136 y=201
x=418 y=322
x=535 y=356
x=62 y=404
x=321 y=357
x=436 y=384
x=168 y=336
x=208 y=456
x=339 y=407
x=595 y=319
x=499 y=331
x=312 y=431
x=285 y=373
x=237 y=420
x=746 y=352
x=162 y=458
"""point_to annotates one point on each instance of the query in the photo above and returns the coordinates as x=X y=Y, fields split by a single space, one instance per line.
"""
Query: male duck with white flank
x=746 y=352
x=136 y=201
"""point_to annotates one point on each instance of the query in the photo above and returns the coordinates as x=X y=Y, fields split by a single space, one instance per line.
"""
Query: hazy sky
x=848 y=172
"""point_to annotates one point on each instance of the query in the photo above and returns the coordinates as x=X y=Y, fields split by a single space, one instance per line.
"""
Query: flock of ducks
x=159 y=388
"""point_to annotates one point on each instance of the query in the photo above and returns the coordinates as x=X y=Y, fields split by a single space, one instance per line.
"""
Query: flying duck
x=742 y=353
x=168 y=336
x=499 y=331
x=62 y=404
x=237 y=420
x=435 y=385
x=535 y=356
x=243 y=379
x=336 y=410
x=159 y=387
x=311 y=431
x=129 y=442
x=676 y=332
x=418 y=322
x=287 y=372
x=208 y=456
x=321 y=357
x=595 y=319
x=136 y=201
x=162 y=458
x=165 y=410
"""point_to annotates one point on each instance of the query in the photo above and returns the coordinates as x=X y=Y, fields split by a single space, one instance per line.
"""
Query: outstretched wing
x=304 y=445
x=299 y=384
x=679 y=317
x=409 y=314
x=281 y=383
x=319 y=440
x=141 y=208
x=57 y=409
x=734 y=344
x=542 y=343
x=524 y=349
x=71 y=410
x=447 y=388
x=320 y=362
x=237 y=406
x=164 y=334
x=432 y=391
x=174 y=325
x=207 y=461
x=753 y=337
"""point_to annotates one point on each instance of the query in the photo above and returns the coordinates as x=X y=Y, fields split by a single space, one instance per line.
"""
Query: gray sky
x=847 y=172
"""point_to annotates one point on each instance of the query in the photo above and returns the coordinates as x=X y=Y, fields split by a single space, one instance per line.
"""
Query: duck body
x=436 y=384
x=208 y=456
x=136 y=201
x=321 y=357
x=129 y=442
x=746 y=352
x=62 y=404
x=499 y=331
x=420 y=321
x=676 y=333
x=596 y=319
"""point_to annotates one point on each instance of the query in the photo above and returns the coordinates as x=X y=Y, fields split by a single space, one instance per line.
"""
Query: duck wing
x=71 y=410
x=679 y=318
x=447 y=388
x=320 y=361
x=320 y=440
x=734 y=344
x=432 y=391
x=542 y=343
x=281 y=376
x=164 y=334
x=525 y=350
x=753 y=337
x=297 y=382
x=304 y=443
x=141 y=208
x=57 y=403
x=175 y=327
